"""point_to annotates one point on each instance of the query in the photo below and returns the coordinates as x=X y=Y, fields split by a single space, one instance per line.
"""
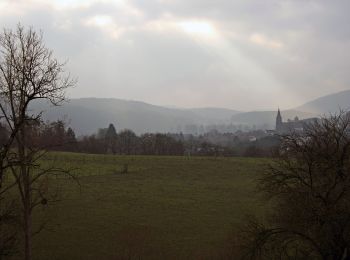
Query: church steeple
x=279 y=123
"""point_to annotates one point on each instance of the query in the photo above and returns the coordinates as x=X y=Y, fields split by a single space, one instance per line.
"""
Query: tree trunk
x=27 y=218
x=26 y=199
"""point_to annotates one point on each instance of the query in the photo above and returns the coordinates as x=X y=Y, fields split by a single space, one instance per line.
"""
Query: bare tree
x=28 y=72
x=309 y=184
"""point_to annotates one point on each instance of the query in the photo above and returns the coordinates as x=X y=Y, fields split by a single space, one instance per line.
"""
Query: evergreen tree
x=111 y=139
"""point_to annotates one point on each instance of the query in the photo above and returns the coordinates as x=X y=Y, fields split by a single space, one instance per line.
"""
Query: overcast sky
x=241 y=54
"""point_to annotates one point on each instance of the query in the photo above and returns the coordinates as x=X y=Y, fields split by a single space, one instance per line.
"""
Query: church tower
x=279 y=123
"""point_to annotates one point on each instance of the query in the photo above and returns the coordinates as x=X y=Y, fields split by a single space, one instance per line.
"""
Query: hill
x=323 y=105
x=328 y=104
x=267 y=119
x=86 y=115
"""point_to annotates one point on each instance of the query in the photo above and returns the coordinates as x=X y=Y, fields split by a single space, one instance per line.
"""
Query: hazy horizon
x=229 y=54
x=213 y=107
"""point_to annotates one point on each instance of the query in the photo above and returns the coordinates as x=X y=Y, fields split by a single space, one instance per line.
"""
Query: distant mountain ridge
x=87 y=115
x=328 y=104
x=321 y=106
x=267 y=119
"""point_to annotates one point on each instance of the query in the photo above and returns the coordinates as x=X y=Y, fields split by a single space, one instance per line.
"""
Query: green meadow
x=162 y=208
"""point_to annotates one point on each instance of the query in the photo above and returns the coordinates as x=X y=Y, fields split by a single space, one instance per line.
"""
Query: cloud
x=262 y=40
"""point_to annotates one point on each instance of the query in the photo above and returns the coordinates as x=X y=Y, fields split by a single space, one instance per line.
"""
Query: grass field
x=163 y=208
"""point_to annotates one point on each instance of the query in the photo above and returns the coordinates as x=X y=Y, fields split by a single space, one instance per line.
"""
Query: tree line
x=126 y=142
x=56 y=136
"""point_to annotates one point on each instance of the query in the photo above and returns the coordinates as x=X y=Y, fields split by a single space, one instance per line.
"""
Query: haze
x=245 y=55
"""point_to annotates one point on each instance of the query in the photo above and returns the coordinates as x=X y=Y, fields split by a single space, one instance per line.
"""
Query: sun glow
x=106 y=24
x=100 y=21
x=198 y=28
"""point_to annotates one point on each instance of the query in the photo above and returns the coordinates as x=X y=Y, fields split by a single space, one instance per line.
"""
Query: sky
x=239 y=54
